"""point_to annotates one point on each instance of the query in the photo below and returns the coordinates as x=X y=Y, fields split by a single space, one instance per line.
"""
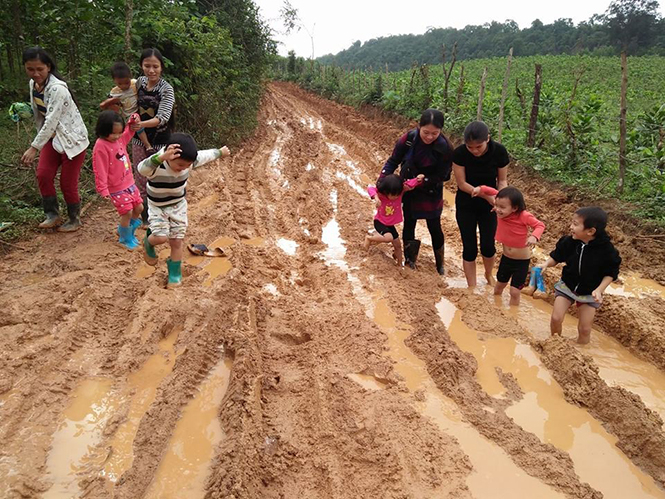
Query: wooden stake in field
x=446 y=74
x=504 y=92
x=622 y=122
x=521 y=98
x=460 y=89
x=531 y=139
x=481 y=95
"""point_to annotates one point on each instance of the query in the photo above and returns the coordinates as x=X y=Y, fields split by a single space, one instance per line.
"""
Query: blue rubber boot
x=127 y=238
x=149 y=253
x=175 y=274
x=135 y=223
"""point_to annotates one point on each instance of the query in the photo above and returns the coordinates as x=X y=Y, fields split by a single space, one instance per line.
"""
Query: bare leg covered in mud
x=561 y=306
x=385 y=238
x=488 y=263
x=470 y=271
x=514 y=292
x=586 y=313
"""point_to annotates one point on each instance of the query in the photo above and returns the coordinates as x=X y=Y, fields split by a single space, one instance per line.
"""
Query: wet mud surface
x=313 y=368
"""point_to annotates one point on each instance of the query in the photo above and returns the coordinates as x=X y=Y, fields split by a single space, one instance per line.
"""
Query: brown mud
x=349 y=376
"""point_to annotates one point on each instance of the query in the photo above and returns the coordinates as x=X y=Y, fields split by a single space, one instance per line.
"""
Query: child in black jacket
x=592 y=263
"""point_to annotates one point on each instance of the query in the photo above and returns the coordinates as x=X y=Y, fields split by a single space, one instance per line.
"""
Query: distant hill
x=644 y=33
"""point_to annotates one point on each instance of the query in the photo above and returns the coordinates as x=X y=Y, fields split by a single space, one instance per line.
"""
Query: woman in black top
x=479 y=161
x=423 y=150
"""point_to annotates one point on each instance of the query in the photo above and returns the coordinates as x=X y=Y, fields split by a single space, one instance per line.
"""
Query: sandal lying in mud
x=203 y=250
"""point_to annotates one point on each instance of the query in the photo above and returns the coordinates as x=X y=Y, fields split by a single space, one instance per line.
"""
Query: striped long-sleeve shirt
x=155 y=103
x=167 y=186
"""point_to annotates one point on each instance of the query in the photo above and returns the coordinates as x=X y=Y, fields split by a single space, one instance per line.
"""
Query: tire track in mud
x=295 y=424
x=645 y=419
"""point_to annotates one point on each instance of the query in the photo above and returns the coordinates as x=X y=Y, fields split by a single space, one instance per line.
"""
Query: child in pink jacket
x=512 y=231
x=388 y=198
x=113 y=173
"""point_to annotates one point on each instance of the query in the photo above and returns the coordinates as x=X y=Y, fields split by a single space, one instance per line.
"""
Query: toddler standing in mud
x=167 y=173
x=512 y=231
x=113 y=173
x=388 y=193
x=592 y=263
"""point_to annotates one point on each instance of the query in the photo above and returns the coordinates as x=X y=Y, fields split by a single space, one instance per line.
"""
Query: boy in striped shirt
x=167 y=173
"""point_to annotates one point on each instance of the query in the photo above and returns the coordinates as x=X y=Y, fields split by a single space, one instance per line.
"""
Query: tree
x=632 y=23
x=292 y=21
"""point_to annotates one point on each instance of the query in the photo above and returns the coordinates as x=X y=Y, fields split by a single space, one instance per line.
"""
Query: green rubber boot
x=175 y=273
x=149 y=253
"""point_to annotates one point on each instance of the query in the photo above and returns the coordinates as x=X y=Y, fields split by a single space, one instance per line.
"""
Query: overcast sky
x=336 y=24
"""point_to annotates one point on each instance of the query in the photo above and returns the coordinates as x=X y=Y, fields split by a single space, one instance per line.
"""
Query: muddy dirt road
x=302 y=366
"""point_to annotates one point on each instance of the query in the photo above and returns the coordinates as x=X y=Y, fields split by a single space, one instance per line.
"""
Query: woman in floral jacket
x=61 y=140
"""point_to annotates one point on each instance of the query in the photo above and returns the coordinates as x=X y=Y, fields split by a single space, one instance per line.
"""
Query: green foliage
x=577 y=130
x=634 y=23
x=217 y=54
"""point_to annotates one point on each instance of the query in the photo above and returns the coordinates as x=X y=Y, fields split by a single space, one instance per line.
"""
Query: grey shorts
x=169 y=221
x=560 y=289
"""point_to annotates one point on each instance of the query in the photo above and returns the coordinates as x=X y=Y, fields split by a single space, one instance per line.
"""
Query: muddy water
x=545 y=412
x=635 y=286
x=367 y=381
x=184 y=468
x=80 y=430
x=617 y=366
x=217 y=267
x=495 y=474
x=143 y=385
x=493 y=468
x=255 y=241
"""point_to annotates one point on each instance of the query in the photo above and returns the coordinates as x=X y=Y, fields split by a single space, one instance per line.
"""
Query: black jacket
x=586 y=264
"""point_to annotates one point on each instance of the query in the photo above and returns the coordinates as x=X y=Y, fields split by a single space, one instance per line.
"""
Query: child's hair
x=105 y=123
x=390 y=185
x=188 y=149
x=431 y=117
x=152 y=52
x=593 y=217
x=476 y=131
x=120 y=70
x=515 y=197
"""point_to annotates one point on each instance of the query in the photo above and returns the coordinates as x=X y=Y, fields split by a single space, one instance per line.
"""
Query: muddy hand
x=225 y=151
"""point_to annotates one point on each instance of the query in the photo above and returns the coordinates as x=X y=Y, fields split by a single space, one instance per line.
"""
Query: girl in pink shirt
x=387 y=196
x=512 y=231
x=113 y=173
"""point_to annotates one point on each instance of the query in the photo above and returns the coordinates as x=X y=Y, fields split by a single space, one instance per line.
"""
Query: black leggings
x=433 y=225
x=485 y=220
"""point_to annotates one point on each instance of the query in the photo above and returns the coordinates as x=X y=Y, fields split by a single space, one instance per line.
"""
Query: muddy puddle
x=184 y=467
x=80 y=430
x=493 y=468
x=77 y=445
x=544 y=411
x=634 y=286
x=616 y=364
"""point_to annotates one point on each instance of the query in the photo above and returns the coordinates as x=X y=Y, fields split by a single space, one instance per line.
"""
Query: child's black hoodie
x=586 y=264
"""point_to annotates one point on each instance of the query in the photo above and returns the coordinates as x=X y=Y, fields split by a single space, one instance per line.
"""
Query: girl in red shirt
x=512 y=231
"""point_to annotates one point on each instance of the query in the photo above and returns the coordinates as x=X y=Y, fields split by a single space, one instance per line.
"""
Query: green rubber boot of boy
x=175 y=273
x=149 y=253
